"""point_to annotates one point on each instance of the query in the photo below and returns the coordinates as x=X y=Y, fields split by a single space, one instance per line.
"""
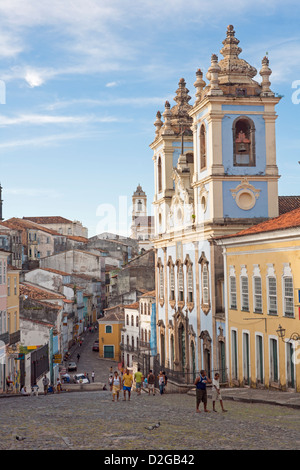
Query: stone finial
x=158 y=123
x=265 y=73
x=213 y=76
x=199 y=85
x=167 y=128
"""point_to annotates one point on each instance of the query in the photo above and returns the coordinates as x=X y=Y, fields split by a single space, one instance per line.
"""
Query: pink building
x=4 y=334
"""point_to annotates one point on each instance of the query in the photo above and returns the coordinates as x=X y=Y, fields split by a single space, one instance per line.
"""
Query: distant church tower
x=142 y=224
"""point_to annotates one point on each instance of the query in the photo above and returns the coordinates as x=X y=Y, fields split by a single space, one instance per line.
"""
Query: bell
x=242 y=148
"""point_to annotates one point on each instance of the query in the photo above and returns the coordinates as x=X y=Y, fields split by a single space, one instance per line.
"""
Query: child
x=216 y=392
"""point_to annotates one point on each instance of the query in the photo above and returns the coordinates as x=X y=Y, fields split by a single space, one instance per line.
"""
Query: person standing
x=116 y=387
x=45 y=384
x=93 y=376
x=216 y=392
x=161 y=382
x=151 y=382
x=58 y=385
x=201 y=392
x=138 y=380
x=127 y=384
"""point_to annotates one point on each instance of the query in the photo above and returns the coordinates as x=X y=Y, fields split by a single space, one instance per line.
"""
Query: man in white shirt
x=216 y=392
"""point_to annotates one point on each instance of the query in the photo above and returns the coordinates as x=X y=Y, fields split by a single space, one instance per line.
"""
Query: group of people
x=125 y=380
x=201 y=391
x=48 y=388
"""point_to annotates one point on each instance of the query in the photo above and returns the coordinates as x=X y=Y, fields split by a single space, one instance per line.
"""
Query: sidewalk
x=251 y=395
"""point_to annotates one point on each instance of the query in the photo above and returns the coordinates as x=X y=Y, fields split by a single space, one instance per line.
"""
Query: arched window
x=132 y=320
x=139 y=205
x=159 y=174
x=243 y=130
x=202 y=148
x=127 y=320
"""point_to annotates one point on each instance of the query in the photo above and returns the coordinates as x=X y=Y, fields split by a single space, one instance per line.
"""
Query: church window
x=243 y=142
x=159 y=173
x=172 y=283
x=190 y=284
x=139 y=205
x=202 y=148
x=160 y=282
x=180 y=284
x=205 y=293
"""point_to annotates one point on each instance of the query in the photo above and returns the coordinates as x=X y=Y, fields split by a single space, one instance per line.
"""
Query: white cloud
x=40 y=119
x=33 y=192
x=111 y=84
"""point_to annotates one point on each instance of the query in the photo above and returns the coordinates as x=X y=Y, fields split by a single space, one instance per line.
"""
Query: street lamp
x=281 y=334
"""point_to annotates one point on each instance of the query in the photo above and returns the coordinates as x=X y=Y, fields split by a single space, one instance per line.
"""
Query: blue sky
x=84 y=80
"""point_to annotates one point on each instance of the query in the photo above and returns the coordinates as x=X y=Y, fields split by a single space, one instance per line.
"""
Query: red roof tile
x=285 y=221
x=288 y=203
x=56 y=219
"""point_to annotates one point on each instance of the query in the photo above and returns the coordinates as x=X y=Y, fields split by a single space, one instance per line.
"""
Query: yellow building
x=110 y=327
x=262 y=288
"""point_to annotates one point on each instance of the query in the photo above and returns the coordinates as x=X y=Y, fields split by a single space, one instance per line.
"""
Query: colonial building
x=215 y=173
x=262 y=286
x=61 y=225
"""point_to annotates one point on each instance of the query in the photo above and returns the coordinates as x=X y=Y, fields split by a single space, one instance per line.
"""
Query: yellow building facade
x=262 y=286
x=110 y=328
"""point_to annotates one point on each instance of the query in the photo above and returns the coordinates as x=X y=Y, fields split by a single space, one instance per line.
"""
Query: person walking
x=216 y=392
x=116 y=387
x=93 y=376
x=127 y=384
x=45 y=384
x=138 y=380
x=166 y=381
x=201 y=392
x=151 y=382
x=78 y=357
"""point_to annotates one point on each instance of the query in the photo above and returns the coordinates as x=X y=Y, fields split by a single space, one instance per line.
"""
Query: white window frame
x=232 y=292
x=271 y=337
x=244 y=295
x=271 y=275
x=287 y=275
x=259 y=335
x=257 y=295
x=234 y=330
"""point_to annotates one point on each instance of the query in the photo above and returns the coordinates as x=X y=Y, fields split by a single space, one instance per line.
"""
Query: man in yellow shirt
x=138 y=381
x=127 y=384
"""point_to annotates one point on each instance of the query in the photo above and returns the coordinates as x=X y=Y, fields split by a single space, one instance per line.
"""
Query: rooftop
x=282 y=222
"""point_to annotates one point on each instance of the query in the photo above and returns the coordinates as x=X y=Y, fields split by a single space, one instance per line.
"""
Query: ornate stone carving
x=245 y=195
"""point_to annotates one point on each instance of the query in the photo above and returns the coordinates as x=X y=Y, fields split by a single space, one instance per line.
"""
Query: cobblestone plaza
x=90 y=420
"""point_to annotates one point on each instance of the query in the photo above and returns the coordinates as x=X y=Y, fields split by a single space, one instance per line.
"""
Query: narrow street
x=90 y=361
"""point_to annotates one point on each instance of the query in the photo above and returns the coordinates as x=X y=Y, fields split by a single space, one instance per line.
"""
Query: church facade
x=215 y=173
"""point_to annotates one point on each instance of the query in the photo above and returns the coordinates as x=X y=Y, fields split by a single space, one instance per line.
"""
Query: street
x=90 y=420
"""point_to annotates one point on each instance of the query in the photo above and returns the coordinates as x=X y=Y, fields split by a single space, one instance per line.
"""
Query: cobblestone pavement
x=90 y=420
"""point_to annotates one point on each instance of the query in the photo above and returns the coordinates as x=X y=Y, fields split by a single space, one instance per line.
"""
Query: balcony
x=15 y=337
